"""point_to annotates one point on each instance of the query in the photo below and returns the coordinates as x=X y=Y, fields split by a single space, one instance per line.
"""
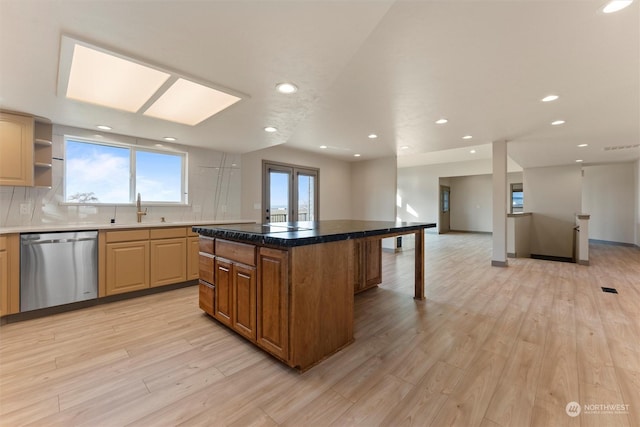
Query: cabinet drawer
x=234 y=251
x=206 y=245
x=205 y=270
x=191 y=233
x=206 y=297
x=127 y=235
x=168 y=233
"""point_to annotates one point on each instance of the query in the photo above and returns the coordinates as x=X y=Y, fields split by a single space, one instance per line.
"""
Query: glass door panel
x=279 y=196
x=306 y=197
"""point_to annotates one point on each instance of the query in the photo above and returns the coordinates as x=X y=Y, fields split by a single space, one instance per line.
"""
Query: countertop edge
x=47 y=228
x=292 y=241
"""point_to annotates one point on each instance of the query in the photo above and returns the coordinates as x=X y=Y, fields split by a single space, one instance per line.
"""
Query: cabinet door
x=168 y=261
x=4 y=283
x=223 y=299
x=193 y=258
x=273 y=302
x=244 y=299
x=127 y=267
x=373 y=262
x=206 y=296
x=16 y=150
x=359 y=265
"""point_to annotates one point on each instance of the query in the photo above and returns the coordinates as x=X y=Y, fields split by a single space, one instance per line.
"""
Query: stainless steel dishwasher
x=58 y=268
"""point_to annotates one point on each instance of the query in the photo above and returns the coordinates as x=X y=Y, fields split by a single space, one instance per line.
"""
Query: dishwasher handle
x=45 y=241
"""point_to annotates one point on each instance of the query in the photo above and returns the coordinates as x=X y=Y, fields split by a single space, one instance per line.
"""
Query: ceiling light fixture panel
x=105 y=79
x=190 y=103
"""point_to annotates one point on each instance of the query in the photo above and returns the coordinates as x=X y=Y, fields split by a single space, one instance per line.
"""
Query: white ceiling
x=362 y=66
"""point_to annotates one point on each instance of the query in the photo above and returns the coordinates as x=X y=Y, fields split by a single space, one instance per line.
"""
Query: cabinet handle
x=223 y=269
x=244 y=276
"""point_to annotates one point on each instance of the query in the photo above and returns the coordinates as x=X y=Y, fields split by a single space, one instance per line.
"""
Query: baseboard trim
x=495 y=263
x=609 y=242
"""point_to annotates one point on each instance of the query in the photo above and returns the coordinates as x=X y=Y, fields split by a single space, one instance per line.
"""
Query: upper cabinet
x=25 y=150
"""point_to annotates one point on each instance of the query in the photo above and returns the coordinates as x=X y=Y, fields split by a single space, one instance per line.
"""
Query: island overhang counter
x=289 y=287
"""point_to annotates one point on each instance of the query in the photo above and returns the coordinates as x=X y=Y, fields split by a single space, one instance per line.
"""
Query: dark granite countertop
x=308 y=232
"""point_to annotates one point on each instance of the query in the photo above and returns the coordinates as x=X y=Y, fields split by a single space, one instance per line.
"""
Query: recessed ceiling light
x=233 y=165
x=616 y=5
x=472 y=151
x=372 y=136
x=286 y=88
x=102 y=78
x=579 y=161
x=159 y=145
x=270 y=129
x=441 y=121
x=356 y=155
x=550 y=98
x=169 y=138
x=583 y=145
x=558 y=122
x=467 y=137
x=190 y=103
x=97 y=135
x=404 y=147
x=104 y=127
x=323 y=146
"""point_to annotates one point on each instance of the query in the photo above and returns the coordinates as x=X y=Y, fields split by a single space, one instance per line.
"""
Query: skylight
x=189 y=103
x=96 y=76
x=103 y=79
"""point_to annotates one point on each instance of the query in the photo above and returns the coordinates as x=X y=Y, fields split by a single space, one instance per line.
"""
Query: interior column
x=499 y=257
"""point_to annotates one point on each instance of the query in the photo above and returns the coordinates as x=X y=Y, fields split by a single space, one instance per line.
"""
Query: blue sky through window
x=100 y=173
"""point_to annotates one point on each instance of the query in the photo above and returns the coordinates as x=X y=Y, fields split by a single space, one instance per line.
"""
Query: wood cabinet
x=16 y=149
x=168 y=256
x=127 y=266
x=25 y=150
x=224 y=291
x=142 y=258
x=9 y=274
x=193 y=257
x=206 y=297
x=272 y=307
x=368 y=266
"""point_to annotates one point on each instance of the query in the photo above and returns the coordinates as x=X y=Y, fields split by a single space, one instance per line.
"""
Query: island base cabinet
x=322 y=299
x=273 y=302
x=206 y=297
x=243 y=316
x=224 y=291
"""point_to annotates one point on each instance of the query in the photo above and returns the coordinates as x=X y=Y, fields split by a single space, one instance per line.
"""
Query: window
x=517 y=198
x=104 y=173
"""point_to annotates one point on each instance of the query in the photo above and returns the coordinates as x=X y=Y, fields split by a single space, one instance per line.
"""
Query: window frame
x=133 y=150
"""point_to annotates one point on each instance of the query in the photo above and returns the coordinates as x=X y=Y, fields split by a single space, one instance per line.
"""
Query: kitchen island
x=289 y=287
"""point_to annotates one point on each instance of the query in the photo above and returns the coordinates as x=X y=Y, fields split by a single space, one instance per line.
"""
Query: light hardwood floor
x=489 y=347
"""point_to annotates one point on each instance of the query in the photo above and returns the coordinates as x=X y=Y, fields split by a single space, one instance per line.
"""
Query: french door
x=290 y=193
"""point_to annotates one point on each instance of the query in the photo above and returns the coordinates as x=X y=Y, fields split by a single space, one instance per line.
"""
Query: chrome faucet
x=140 y=212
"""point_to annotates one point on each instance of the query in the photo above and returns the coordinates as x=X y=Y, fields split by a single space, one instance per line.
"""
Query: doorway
x=289 y=193
x=445 y=207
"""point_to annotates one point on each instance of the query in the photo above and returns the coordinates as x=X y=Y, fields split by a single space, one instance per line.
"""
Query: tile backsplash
x=213 y=190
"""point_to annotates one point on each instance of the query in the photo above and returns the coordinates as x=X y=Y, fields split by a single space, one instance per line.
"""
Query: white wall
x=334 y=185
x=637 y=221
x=609 y=196
x=418 y=187
x=554 y=196
x=470 y=206
x=213 y=190
x=373 y=189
